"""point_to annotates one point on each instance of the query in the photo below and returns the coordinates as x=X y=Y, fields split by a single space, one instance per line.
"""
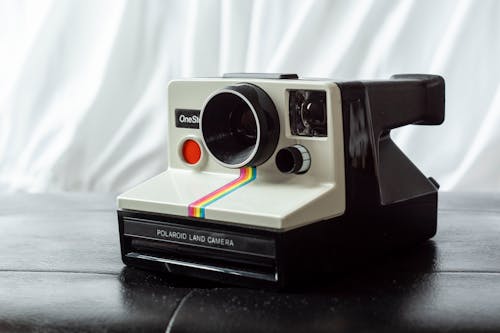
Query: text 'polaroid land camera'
x=273 y=179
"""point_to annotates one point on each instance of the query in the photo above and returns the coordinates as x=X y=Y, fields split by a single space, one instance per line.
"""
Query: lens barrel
x=240 y=126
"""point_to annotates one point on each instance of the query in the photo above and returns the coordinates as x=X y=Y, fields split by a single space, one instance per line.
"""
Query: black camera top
x=269 y=76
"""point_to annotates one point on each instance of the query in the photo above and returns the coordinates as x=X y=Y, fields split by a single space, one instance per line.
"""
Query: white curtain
x=83 y=83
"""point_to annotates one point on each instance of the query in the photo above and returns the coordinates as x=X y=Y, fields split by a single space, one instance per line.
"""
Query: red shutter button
x=191 y=151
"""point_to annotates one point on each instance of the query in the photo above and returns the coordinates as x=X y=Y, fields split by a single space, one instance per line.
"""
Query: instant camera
x=273 y=179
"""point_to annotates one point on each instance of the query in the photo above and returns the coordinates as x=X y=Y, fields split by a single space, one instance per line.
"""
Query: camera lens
x=240 y=126
x=307 y=109
x=243 y=126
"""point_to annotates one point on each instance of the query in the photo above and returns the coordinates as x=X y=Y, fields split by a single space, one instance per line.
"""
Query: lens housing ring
x=249 y=142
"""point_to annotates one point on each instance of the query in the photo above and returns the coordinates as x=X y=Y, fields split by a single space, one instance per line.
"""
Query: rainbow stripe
x=197 y=208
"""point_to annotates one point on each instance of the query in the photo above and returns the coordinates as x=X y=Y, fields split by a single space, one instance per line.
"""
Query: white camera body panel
x=274 y=199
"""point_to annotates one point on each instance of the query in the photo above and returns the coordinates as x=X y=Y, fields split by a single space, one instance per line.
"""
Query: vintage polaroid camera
x=273 y=179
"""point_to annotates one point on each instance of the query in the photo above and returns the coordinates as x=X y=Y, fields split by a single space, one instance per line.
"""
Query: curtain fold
x=83 y=83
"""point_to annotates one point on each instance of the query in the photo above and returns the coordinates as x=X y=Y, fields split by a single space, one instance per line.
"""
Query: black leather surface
x=60 y=270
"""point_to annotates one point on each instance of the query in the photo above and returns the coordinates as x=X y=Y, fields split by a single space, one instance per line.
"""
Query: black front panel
x=188 y=246
x=199 y=237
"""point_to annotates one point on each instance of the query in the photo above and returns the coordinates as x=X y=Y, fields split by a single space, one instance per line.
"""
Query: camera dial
x=294 y=159
x=240 y=126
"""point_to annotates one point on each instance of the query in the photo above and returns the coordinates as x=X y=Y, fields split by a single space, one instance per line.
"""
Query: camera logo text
x=187 y=118
x=188 y=237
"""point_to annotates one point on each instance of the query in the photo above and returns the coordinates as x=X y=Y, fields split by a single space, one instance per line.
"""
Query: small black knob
x=293 y=159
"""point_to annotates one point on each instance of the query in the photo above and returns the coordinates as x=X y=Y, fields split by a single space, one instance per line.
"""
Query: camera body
x=273 y=179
